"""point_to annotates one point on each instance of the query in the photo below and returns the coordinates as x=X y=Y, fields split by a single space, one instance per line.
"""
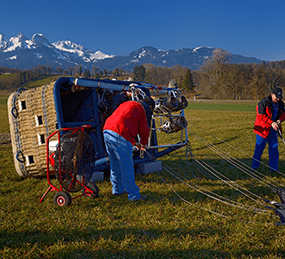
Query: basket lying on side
x=32 y=118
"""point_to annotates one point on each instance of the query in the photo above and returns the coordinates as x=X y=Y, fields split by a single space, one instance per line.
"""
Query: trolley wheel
x=62 y=198
x=94 y=188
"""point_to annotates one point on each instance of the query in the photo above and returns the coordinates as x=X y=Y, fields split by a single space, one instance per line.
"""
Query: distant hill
x=23 y=53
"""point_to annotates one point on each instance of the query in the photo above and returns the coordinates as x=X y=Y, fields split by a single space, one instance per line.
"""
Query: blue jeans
x=122 y=175
x=272 y=150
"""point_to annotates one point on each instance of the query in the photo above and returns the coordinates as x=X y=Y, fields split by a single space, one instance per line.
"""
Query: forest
x=217 y=78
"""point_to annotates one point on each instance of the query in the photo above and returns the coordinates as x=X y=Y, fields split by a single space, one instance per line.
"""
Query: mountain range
x=23 y=53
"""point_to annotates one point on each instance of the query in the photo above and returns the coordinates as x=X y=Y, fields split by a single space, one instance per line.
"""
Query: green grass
x=39 y=81
x=3 y=100
x=7 y=76
x=245 y=106
x=163 y=226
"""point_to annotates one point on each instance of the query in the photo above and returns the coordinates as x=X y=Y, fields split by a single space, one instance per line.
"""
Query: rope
x=17 y=137
x=209 y=194
x=226 y=180
x=229 y=182
x=219 y=198
x=216 y=213
x=240 y=165
x=44 y=108
x=239 y=150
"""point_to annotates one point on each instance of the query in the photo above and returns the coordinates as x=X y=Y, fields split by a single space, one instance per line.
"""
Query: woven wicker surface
x=35 y=121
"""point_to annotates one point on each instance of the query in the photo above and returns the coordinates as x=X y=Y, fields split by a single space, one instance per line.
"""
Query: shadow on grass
x=112 y=243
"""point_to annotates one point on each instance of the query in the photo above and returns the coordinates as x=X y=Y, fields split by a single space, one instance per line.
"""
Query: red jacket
x=128 y=120
x=263 y=119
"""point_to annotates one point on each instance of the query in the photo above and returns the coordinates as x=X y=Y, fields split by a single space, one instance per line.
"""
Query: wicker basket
x=32 y=118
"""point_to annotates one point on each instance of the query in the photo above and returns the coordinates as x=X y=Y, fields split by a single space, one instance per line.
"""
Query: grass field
x=245 y=106
x=176 y=221
x=41 y=80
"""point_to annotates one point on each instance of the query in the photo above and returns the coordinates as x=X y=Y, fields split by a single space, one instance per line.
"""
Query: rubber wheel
x=94 y=188
x=62 y=198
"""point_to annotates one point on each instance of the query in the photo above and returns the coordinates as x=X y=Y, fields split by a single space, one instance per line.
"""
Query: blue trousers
x=122 y=175
x=272 y=150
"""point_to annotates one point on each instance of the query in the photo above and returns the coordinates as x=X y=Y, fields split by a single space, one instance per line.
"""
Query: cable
x=211 y=195
x=238 y=149
x=238 y=164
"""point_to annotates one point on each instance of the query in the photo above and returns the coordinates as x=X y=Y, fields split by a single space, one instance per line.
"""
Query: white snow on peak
x=39 y=55
x=70 y=47
x=13 y=57
x=196 y=49
x=99 y=55
x=39 y=39
x=142 y=54
x=59 y=54
x=166 y=53
x=79 y=50
x=3 y=41
x=62 y=49
x=20 y=41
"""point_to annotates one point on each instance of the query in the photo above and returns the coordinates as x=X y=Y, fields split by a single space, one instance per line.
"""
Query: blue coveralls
x=272 y=141
x=121 y=160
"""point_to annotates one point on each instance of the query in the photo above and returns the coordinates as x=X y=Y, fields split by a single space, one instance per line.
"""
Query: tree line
x=11 y=78
x=177 y=75
x=217 y=78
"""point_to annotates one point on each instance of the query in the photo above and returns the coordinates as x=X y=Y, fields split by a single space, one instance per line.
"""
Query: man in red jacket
x=270 y=114
x=120 y=131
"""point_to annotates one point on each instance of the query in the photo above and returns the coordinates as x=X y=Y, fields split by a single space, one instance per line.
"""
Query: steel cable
x=237 y=149
x=240 y=165
x=209 y=194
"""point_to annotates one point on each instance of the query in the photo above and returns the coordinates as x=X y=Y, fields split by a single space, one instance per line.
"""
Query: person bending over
x=120 y=131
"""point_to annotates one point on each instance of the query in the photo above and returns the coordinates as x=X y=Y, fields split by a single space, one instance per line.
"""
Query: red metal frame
x=87 y=191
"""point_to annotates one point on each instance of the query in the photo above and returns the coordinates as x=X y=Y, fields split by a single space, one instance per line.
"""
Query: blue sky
x=253 y=28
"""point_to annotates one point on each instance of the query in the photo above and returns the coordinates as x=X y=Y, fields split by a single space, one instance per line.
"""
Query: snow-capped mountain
x=71 y=48
x=22 y=42
x=21 y=52
x=3 y=41
x=186 y=57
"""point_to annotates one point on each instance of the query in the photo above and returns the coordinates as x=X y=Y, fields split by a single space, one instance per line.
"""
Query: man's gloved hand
x=141 y=148
x=138 y=145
